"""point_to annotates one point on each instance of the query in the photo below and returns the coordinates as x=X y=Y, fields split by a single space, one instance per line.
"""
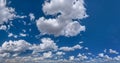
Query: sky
x=85 y=31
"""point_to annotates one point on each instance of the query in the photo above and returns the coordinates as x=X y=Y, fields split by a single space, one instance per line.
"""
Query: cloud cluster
x=36 y=60
x=66 y=23
x=13 y=48
x=6 y=13
x=47 y=46
x=47 y=51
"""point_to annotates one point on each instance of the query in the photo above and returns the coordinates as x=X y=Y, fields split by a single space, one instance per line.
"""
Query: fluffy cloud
x=10 y=50
x=47 y=54
x=15 y=46
x=70 y=48
x=6 y=13
x=63 y=24
x=46 y=45
x=71 y=58
x=60 y=53
x=82 y=56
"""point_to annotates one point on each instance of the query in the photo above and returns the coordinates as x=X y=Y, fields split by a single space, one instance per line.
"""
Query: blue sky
x=87 y=28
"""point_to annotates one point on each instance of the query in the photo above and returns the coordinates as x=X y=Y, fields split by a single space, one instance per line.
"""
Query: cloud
x=32 y=17
x=101 y=54
x=47 y=54
x=23 y=35
x=71 y=58
x=60 y=53
x=46 y=45
x=70 y=48
x=15 y=46
x=63 y=24
x=10 y=52
x=82 y=56
x=12 y=35
x=113 y=51
x=3 y=27
x=6 y=13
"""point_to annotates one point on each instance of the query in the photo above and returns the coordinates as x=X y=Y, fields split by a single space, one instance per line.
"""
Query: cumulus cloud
x=47 y=54
x=82 y=57
x=46 y=45
x=14 y=46
x=6 y=13
x=10 y=53
x=71 y=48
x=63 y=24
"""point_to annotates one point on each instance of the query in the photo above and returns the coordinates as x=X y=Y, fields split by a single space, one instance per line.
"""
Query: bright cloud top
x=64 y=11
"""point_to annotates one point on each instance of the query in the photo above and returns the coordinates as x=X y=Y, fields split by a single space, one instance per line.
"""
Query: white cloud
x=46 y=45
x=3 y=27
x=10 y=50
x=113 y=51
x=6 y=13
x=101 y=54
x=60 y=53
x=62 y=24
x=23 y=35
x=47 y=54
x=82 y=57
x=15 y=46
x=5 y=55
x=117 y=58
x=12 y=35
x=70 y=48
x=105 y=51
x=71 y=58
x=32 y=17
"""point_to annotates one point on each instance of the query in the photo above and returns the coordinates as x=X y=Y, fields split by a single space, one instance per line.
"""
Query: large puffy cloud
x=6 y=13
x=63 y=24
